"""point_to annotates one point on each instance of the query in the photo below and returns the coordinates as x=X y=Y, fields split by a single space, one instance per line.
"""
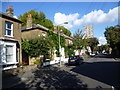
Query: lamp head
x=65 y=22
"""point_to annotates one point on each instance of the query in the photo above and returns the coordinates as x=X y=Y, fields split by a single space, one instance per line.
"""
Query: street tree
x=79 y=41
x=92 y=42
x=112 y=35
x=102 y=48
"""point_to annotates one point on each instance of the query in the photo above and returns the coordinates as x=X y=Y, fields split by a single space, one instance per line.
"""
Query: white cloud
x=99 y=17
x=102 y=41
x=94 y=17
x=61 y=18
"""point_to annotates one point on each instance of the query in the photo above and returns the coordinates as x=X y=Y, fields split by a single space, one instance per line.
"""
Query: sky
x=99 y=14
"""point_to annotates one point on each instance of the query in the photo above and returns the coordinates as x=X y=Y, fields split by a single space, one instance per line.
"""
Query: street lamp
x=59 y=40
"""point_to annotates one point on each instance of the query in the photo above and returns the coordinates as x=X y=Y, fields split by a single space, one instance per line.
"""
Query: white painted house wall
x=3 y=45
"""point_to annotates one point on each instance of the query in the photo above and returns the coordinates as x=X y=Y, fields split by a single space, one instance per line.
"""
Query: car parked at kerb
x=75 y=60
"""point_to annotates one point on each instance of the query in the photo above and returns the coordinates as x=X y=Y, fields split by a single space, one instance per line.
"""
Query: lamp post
x=59 y=40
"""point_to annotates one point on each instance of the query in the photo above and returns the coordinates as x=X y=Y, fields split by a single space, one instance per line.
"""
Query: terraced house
x=10 y=39
x=31 y=31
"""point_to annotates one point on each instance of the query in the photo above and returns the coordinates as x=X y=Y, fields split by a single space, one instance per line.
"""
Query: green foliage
x=42 y=16
x=102 y=47
x=93 y=42
x=78 y=40
x=37 y=61
x=69 y=50
x=87 y=52
x=112 y=35
x=38 y=46
x=38 y=18
x=65 y=31
x=55 y=39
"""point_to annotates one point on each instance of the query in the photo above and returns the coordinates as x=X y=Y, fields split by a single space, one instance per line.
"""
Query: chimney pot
x=30 y=15
x=29 y=21
x=10 y=11
x=9 y=7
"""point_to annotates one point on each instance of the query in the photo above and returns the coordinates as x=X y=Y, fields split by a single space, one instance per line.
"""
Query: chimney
x=10 y=11
x=29 y=21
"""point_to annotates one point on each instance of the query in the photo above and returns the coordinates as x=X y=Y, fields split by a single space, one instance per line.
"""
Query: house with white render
x=10 y=40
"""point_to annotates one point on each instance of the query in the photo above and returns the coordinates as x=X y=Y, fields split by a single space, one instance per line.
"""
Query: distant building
x=88 y=31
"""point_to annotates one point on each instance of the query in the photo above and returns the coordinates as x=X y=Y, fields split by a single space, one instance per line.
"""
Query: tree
x=55 y=39
x=38 y=46
x=102 y=47
x=38 y=18
x=92 y=42
x=65 y=30
x=112 y=35
x=78 y=41
x=42 y=16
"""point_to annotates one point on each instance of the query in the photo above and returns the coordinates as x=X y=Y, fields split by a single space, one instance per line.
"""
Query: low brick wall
x=18 y=70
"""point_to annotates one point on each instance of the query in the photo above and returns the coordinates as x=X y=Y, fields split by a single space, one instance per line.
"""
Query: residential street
x=96 y=72
x=60 y=45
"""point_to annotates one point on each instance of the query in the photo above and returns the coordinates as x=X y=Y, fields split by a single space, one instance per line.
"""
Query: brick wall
x=32 y=34
x=16 y=32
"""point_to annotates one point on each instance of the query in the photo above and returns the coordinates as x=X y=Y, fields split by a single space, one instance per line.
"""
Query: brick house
x=10 y=39
x=68 y=40
x=32 y=31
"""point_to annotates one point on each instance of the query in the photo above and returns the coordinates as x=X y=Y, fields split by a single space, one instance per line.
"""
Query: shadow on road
x=9 y=81
x=54 y=77
x=106 y=72
x=106 y=56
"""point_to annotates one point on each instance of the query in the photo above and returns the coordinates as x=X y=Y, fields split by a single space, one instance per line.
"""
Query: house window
x=9 y=53
x=43 y=34
x=8 y=29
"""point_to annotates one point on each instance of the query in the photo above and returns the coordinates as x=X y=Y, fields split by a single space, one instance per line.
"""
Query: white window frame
x=9 y=54
x=43 y=34
x=14 y=53
x=6 y=29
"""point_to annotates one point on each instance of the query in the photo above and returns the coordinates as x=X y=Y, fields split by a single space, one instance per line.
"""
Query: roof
x=35 y=26
x=67 y=37
x=3 y=15
x=117 y=26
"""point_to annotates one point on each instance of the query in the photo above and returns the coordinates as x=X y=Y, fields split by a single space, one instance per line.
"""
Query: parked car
x=75 y=60
x=92 y=54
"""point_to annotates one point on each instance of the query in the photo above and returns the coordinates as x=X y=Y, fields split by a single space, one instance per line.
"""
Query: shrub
x=37 y=61
x=87 y=53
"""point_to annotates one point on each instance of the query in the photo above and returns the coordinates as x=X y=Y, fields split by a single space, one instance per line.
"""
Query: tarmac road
x=97 y=72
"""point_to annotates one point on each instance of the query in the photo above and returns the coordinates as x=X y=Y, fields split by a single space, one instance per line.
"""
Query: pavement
x=49 y=77
x=55 y=77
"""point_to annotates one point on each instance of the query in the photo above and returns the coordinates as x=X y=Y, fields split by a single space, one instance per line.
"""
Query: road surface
x=97 y=72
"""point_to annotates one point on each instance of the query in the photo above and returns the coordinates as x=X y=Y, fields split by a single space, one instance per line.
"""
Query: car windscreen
x=73 y=57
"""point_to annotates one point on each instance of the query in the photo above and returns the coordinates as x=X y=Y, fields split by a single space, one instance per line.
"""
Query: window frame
x=7 y=29
x=9 y=54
